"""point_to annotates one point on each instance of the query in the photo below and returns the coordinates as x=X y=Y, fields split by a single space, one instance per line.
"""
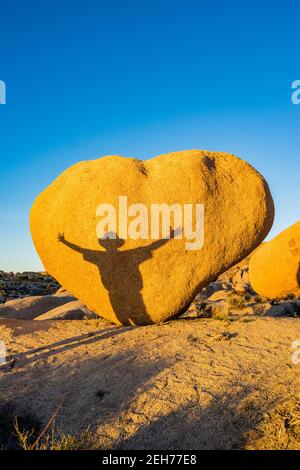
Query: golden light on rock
x=275 y=267
x=143 y=281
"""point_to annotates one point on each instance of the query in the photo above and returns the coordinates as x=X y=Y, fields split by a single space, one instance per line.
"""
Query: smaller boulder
x=74 y=310
x=261 y=308
x=62 y=292
x=29 y=308
x=220 y=295
x=210 y=289
x=275 y=267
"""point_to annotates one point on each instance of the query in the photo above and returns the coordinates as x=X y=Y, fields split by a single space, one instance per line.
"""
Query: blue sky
x=139 y=78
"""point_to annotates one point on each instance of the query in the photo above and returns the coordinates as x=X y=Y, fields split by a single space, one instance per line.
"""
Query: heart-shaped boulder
x=102 y=229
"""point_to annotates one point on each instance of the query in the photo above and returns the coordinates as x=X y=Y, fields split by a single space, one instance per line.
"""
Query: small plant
x=258 y=299
x=221 y=315
x=289 y=296
x=23 y=430
x=236 y=301
x=193 y=339
x=53 y=440
x=260 y=309
x=225 y=336
x=28 y=424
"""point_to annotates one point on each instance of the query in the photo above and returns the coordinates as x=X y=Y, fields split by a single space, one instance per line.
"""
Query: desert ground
x=214 y=378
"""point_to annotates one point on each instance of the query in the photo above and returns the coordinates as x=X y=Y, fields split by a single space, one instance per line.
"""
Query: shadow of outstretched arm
x=163 y=241
x=73 y=246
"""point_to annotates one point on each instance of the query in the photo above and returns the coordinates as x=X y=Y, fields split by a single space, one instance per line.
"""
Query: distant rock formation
x=17 y=285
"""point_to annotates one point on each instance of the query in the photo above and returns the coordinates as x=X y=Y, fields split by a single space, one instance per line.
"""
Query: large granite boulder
x=132 y=280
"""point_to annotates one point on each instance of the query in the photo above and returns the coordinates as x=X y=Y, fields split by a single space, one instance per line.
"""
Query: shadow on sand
x=117 y=393
x=227 y=422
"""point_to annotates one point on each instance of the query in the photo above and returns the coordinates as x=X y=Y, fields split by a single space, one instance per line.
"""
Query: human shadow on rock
x=120 y=274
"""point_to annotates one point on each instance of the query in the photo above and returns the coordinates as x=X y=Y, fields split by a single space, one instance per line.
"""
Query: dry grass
x=28 y=424
x=55 y=439
x=279 y=430
x=24 y=432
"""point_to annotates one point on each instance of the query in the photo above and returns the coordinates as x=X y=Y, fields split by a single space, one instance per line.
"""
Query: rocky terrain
x=231 y=295
x=18 y=285
x=221 y=376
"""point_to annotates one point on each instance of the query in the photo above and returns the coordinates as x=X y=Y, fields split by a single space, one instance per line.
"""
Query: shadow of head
x=110 y=241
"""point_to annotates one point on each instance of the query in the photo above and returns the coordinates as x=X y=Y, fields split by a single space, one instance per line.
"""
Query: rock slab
x=32 y=307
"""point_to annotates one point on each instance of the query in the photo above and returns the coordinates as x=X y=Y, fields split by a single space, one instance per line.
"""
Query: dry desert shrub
x=28 y=424
x=236 y=301
x=55 y=439
x=21 y=430
x=279 y=430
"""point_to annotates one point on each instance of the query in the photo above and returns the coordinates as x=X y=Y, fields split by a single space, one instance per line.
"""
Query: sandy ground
x=186 y=384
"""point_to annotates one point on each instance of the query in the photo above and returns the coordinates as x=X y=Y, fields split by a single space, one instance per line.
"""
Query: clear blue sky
x=139 y=78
